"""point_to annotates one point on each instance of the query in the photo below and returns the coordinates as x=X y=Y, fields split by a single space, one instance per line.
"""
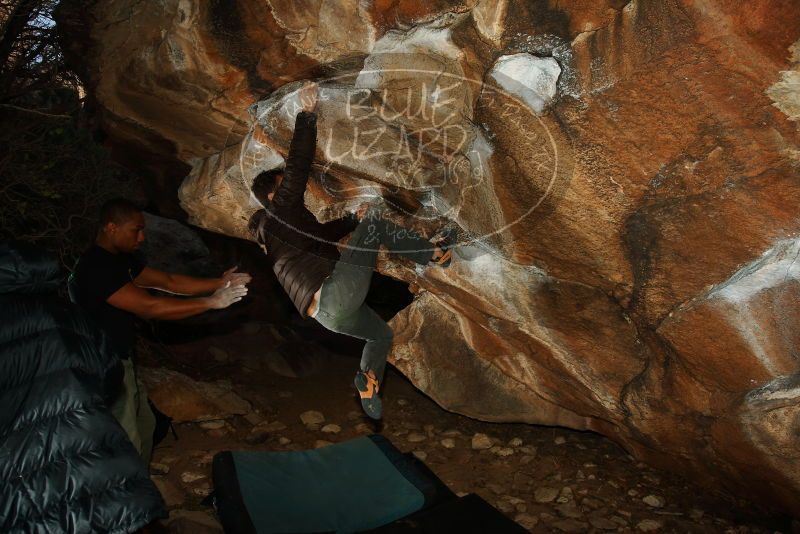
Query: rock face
x=624 y=174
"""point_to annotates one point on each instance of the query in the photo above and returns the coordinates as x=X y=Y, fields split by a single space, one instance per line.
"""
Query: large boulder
x=624 y=176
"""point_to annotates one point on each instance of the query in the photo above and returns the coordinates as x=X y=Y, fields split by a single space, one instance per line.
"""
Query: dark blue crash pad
x=353 y=486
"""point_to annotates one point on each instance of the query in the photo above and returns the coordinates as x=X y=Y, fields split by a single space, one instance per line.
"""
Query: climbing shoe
x=367 y=386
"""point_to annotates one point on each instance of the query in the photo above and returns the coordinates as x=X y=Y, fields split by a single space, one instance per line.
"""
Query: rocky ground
x=266 y=387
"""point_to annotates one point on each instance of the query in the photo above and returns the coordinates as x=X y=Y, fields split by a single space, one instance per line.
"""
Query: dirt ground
x=547 y=479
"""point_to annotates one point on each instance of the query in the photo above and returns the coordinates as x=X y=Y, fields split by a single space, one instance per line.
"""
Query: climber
x=322 y=283
x=109 y=283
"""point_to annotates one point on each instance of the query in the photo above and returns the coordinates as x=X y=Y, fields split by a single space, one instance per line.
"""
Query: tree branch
x=36 y=111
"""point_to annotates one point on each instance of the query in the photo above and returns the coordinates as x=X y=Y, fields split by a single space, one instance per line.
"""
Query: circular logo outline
x=484 y=85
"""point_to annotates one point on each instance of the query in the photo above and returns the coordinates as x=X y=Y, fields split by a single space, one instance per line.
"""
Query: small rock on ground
x=218 y=432
x=649 y=525
x=254 y=418
x=205 y=459
x=188 y=477
x=545 y=495
x=526 y=521
x=157 y=468
x=603 y=523
x=620 y=520
x=591 y=503
x=481 y=442
x=312 y=417
x=654 y=501
x=212 y=425
x=416 y=437
x=502 y=451
x=565 y=495
x=505 y=507
x=204 y=490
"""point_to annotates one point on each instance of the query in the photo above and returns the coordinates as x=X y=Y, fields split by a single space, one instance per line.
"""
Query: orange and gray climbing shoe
x=367 y=386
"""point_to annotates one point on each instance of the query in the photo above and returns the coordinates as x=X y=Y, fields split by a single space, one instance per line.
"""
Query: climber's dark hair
x=118 y=211
x=265 y=183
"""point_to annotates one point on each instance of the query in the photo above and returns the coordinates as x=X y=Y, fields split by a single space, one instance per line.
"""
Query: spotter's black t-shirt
x=98 y=275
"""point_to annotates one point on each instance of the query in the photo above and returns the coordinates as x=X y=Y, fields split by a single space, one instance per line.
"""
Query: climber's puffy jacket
x=302 y=250
x=65 y=463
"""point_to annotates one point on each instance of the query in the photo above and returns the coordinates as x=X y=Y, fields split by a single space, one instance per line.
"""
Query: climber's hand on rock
x=309 y=95
x=225 y=296
x=361 y=211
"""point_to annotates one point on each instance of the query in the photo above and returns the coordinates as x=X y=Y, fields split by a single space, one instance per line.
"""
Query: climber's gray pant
x=341 y=303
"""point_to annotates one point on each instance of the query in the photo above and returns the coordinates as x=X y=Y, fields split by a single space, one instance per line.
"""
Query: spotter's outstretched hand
x=226 y=295
x=234 y=278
